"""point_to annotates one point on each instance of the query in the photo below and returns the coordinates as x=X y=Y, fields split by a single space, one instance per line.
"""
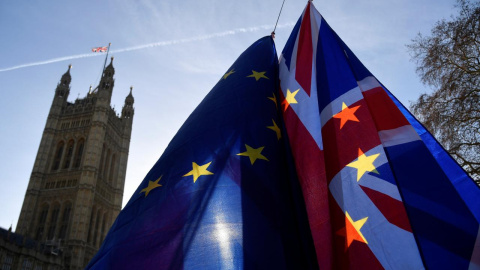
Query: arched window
x=90 y=224
x=79 y=153
x=102 y=158
x=104 y=228
x=106 y=165
x=27 y=264
x=97 y=228
x=42 y=218
x=112 y=169
x=58 y=156
x=67 y=209
x=68 y=156
x=53 y=221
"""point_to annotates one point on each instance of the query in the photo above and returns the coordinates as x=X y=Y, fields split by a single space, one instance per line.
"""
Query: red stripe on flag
x=392 y=209
x=309 y=162
x=384 y=112
x=303 y=73
x=341 y=144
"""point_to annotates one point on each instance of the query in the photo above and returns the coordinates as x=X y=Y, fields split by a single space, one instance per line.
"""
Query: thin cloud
x=151 y=45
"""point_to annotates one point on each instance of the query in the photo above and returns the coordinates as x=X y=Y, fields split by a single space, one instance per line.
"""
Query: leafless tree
x=448 y=60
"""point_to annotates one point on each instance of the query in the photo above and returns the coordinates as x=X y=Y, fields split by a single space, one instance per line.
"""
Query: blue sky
x=189 y=46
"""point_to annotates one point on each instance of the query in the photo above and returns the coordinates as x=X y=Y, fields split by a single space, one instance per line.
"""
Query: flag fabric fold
x=220 y=196
x=379 y=191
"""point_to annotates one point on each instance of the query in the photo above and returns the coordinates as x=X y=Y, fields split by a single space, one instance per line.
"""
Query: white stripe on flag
x=401 y=135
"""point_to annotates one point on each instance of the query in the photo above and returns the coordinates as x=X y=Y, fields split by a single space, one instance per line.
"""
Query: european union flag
x=220 y=196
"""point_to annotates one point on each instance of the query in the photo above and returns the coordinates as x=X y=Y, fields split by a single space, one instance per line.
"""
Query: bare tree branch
x=448 y=60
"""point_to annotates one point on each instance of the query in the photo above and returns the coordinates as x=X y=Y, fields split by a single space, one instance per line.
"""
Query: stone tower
x=76 y=186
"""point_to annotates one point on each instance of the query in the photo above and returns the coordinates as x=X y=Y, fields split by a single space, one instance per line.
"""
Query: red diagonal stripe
x=392 y=209
x=311 y=173
x=384 y=112
x=303 y=73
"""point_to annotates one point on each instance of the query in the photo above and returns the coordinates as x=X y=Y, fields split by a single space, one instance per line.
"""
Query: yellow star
x=198 y=171
x=276 y=129
x=253 y=154
x=151 y=185
x=228 y=73
x=347 y=114
x=274 y=99
x=258 y=75
x=290 y=99
x=351 y=231
x=364 y=164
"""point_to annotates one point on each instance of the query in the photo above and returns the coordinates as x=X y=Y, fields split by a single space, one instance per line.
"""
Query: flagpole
x=106 y=57
x=104 y=65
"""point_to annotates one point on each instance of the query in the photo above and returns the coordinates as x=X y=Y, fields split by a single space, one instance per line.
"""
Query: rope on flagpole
x=273 y=33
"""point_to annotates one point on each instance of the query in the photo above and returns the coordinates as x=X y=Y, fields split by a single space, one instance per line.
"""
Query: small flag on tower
x=100 y=49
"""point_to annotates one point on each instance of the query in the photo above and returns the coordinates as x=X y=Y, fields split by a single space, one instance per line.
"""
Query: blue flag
x=220 y=196
x=380 y=191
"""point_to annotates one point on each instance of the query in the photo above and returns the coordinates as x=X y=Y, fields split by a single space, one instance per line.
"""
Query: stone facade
x=20 y=252
x=76 y=186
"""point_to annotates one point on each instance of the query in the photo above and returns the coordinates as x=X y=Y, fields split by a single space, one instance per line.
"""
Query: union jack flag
x=100 y=49
x=380 y=192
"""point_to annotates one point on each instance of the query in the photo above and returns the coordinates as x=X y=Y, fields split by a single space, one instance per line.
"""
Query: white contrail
x=151 y=45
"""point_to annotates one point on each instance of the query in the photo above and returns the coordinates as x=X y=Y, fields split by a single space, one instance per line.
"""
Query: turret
x=128 y=110
x=63 y=87
x=106 y=83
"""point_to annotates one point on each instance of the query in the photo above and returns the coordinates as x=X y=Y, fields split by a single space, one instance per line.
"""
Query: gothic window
x=102 y=234
x=112 y=169
x=7 y=262
x=65 y=218
x=78 y=155
x=41 y=222
x=53 y=222
x=106 y=165
x=58 y=156
x=105 y=85
x=68 y=157
x=27 y=264
x=97 y=229
x=90 y=232
x=102 y=157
